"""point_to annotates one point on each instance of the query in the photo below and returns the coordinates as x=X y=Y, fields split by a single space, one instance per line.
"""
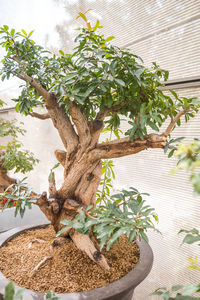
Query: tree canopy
x=102 y=79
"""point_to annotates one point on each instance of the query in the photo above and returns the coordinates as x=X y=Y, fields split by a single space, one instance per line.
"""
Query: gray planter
x=32 y=216
x=121 y=289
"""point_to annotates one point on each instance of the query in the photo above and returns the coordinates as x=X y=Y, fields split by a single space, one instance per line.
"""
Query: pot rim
x=129 y=281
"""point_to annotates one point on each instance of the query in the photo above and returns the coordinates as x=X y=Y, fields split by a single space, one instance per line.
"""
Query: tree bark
x=5 y=180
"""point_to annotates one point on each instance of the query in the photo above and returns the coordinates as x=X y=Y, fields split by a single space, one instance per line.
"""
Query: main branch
x=98 y=124
x=39 y=116
x=60 y=119
x=81 y=125
x=124 y=146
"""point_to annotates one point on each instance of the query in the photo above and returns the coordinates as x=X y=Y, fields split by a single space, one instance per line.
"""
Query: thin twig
x=39 y=116
x=41 y=263
x=35 y=241
x=175 y=120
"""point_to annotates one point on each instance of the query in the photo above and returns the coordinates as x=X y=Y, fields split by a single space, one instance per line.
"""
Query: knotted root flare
x=84 y=243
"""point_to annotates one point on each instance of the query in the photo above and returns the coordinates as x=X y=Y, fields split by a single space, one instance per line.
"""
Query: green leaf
x=171 y=153
x=157 y=293
x=89 y=207
x=103 y=242
x=144 y=236
x=120 y=81
x=9 y=291
x=24 y=32
x=61 y=52
x=193 y=231
x=66 y=222
x=96 y=26
x=195 y=101
x=152 y=125
x=110 y=38
x=19 y=294
x=190 y=239
x=50 y=178
x=12 y=32
x=166 y=296
x=89 y=91
x=132 y=235
x=5 y=27
x=82 y=16
x=176 y=140
x=190 y=289
x=62 y=230
x=51 y=296
x=17 y=107
x=138 y=73
x=176 y=288
x=115 y=237
x=30 y=33
x=90 y=223
x=55 y=166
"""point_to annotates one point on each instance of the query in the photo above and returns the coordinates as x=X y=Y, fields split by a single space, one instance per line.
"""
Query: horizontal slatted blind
x=177 y=207
x=167 y=32
x=175 y=50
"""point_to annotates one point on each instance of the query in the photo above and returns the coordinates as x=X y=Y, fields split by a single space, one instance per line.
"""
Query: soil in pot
x=28 y=261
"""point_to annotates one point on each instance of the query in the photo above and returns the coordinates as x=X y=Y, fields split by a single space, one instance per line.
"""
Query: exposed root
x=41 y=263
x=35 y=241
x=84 y=243
x=42 y=202
x=57 y=242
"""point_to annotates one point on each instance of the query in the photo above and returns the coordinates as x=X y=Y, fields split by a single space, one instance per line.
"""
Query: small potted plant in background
x=188 y=159
x=85 y=93
x=12 y=157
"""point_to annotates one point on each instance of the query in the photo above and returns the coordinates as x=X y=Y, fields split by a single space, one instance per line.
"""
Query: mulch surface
x=69 y=270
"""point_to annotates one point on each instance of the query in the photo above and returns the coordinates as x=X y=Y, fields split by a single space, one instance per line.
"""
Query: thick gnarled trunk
x=79 y=190
x=82 y=174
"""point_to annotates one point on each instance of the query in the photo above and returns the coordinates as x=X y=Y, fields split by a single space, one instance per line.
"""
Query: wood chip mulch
x=69 y=270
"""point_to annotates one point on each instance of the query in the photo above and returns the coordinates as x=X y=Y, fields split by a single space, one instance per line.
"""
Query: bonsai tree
x=83 y=93
x=12 y=157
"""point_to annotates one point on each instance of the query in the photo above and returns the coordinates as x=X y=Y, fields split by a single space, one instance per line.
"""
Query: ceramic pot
x=121 y=289
x=33 y=216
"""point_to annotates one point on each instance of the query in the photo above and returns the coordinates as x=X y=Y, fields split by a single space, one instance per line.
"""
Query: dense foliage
x=97 y=76
x=13 y=157
x=124 y=213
